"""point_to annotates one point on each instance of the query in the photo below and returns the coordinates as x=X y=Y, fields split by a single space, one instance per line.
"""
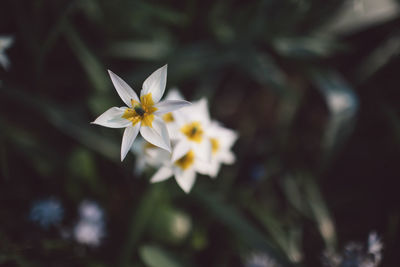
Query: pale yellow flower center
x=168 y=117
x=193 y=131
x=214 y=145
x=186 y=161
x=141 y=111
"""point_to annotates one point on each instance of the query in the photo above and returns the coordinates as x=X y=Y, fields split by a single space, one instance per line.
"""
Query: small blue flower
x=46 y=212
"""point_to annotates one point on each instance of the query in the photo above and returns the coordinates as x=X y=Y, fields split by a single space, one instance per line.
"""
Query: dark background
x=313 y=94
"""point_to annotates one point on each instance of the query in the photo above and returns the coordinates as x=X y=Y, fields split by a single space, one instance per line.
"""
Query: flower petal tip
x=187 y=191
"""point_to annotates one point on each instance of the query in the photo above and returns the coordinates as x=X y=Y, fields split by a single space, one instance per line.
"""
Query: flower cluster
x=199 y=145
x=181 y=138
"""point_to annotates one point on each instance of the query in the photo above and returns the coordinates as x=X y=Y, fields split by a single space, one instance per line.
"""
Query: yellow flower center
x=167 y=117
x=186 y=161
x=141 y=111
x=193 y=131
x=214 y=145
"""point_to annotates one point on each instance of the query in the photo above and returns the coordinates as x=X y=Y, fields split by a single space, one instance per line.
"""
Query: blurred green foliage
x=313 y=94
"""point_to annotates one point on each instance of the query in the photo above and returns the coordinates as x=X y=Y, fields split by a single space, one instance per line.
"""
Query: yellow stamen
x=141 y=111
x=168 y=117
x=193 y=131
x=186 y=161
x=214 y=145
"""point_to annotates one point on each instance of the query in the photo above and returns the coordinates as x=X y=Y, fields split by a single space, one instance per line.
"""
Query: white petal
x=198 y=111
x=181 y=149
x=155 y=84
x=213 y=168
x=173 y=131
x=112 y=118
x=182 y=116
x=162 y=174
x=156 y=157
x=129 y=136
x=124 y=91
x=170 y=105
x=203 y=150
x=157 y=134
x=202 y=167
x=227 y=157
x=186 y=179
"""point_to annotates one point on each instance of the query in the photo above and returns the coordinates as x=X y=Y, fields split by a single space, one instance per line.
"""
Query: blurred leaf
x=342 y=103
x=53 y=35
x=35 y=150
x=379 y=58
x=288 y=241
x=320 y=213
x=81 y=164
x=67 y=122
x=156 y=257
x=142 y=50
x=262 y=68
x=303 y=193
x=357 y=15
x=95 y=70
x=307 y=47
x=92 y=9
x=294 y=194
x=238 y=224
x=140 y=221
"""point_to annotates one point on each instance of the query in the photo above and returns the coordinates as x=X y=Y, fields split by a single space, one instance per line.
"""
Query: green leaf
x=154 y=256
x=140 y=221
x=238 y=225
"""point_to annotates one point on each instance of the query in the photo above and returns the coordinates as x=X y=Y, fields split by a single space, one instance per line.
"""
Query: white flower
x=193 y=123
x=5 y=42
x=90 y=228
x=142 y=115
x=184 y=169
x=88 y=233
x=222 y=139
